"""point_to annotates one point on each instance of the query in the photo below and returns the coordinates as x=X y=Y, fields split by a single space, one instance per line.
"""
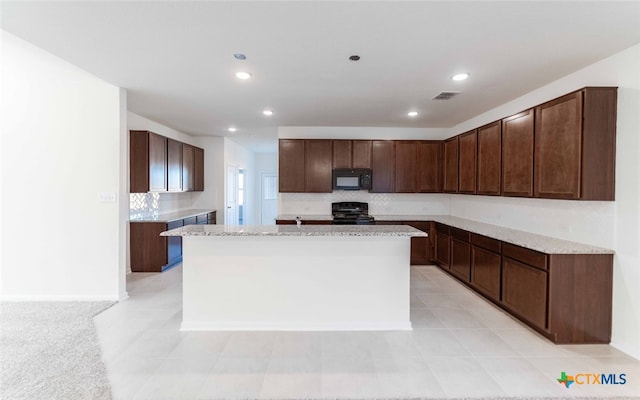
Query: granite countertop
x=308 y=217
x=293 y=230
x=167 y=217
x=541 y=243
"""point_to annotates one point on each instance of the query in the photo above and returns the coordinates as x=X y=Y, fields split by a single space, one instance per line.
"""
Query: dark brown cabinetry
x=147 y=162
x=489 y=159
x=383 y=166
x=151 y=252
x=575 y=146
x=361 y=154
x=460 y=254
x=442 y=245
x=486 y=266
x=198 y=169
x=565 y=297
x=291 y=163
x=317 y=159
x=421 y=253
x=406 y=166
x=451 y=165
x=174 y=166
x=429 y=166
x=157 y=164
x=342 y=154
x=188 y=167
x=467 y=167
x=517 y=155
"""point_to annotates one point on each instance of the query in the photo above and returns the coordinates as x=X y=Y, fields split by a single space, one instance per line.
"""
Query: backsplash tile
x=158 y=203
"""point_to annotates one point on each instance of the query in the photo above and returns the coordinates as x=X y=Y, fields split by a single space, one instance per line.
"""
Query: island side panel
x=296 y=283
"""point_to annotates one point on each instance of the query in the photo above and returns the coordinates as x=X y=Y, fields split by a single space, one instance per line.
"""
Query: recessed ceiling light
x=460 y=77
x=268 y=113
x=243 y=75
x=232 y=129
x=412 y=113
x=240 y=56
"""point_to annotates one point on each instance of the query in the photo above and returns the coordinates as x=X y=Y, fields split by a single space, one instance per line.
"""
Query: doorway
x=268 y=197
x=231 y=195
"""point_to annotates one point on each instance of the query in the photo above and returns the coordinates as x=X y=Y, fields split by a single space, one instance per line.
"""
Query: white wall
x=613 y=225
x=61 y=149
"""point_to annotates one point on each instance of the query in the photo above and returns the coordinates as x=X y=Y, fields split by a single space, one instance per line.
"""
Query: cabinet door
x=291 y=165
x=174 y=243
x=406 y=166
x=188 y=165
x=174 y=166
x=524 y=291
x=317 y=155
x=467 y=167
x=517 y=155
x=485 y=272
x=429 y=166
x=198 y=169
x=157 y=163
x=361 y=154
x=558 y=147
x=461 y=259
x=489 y=159
x=383 y=166
x=342 y=154
x=451 y=165
x=138 y=161
x=420 y=246
x=442 y=249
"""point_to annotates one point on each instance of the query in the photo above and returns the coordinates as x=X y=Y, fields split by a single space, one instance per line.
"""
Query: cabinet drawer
x=486 y=242
x=190 y=221
x=211 y=216
x=531 y=257
x=423 y=226
x=460 y=234
x=202 y=218
x=442 y=228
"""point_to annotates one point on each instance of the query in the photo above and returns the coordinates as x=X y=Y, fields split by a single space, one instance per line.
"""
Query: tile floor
x=461 y=346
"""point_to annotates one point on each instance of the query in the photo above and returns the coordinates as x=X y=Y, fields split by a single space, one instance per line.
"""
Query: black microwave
x=351 y=179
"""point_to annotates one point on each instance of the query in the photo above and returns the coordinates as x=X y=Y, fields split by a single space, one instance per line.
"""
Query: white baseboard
x=14 y=298
x=295 y=326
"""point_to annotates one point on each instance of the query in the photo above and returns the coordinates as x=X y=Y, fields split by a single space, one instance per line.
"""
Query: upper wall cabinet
x=429 y=165
x=575 y=146
x=489 y=159
x=451 y=165
x=406 y=166
x=351 y=154
x=305 y=165
x=383 y=166
x=291 y=165
x=467 y=167
x=188 y=167
x=317 y=165
x=198 y=169
x=157 y=164
x=517 y=155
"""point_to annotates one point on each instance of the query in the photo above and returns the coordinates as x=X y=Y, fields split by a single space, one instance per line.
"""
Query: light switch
x=107 y=197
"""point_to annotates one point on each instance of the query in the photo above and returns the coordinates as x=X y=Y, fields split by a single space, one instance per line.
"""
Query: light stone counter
x=293 y=230
x=541 y=243
x=167 y=217
x=308 y=217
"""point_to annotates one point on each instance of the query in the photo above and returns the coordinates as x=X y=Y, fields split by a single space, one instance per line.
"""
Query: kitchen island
x=284 y=277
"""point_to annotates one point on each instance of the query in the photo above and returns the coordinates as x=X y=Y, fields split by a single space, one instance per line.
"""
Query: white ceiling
x=176 y=58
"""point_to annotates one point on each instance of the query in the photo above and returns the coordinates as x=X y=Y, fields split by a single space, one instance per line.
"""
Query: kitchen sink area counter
x=168 y=216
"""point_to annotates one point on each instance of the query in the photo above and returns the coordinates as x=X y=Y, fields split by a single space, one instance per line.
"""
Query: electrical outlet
x=107 y=197
x=565 y=228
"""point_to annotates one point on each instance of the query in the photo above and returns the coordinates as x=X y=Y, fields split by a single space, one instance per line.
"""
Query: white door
x=268 y=198
x=231 y=210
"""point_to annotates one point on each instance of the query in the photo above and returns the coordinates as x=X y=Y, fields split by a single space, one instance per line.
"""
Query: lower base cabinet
x=442 y=245
x=565 y=297
x=151 y=252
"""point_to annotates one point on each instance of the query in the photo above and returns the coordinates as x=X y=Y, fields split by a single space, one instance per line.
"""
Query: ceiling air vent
x=445 y=95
